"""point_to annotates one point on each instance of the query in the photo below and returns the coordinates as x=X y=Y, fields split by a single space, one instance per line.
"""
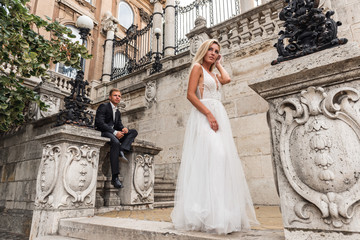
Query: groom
x=108 y=121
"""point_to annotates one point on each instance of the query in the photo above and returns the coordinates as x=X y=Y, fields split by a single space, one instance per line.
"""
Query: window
x=66 y=70
x=89 y=1
x=119 y=60
x=125 y=15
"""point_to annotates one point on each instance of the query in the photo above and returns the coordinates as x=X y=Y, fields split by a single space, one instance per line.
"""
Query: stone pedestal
x=67 y=177
x=138 y=176
x=314 y=116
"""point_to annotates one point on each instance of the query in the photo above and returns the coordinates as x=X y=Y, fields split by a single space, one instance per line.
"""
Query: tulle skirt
x=211 y=192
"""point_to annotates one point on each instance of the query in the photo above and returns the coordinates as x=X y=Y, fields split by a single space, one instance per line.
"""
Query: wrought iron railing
x=214 y=11
x=133 y=52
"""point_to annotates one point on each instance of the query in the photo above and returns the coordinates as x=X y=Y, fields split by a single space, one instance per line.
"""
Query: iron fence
x=214 y=11
x=133 y=52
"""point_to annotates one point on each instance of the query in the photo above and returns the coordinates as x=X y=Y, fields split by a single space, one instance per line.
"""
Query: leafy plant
x=25 y=53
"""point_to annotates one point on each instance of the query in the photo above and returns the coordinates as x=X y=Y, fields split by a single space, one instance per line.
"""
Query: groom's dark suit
x=104 y=122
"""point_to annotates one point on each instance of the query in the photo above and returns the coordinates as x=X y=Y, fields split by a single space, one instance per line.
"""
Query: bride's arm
x=194 y=78
x=224 y=77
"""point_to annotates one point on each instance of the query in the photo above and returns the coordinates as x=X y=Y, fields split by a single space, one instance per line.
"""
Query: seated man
x=108 y=121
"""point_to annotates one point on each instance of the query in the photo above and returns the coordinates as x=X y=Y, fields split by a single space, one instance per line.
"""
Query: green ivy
x=24 y=53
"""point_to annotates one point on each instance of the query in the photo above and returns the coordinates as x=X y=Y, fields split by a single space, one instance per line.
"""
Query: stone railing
x=254 y=26
x=63 y=83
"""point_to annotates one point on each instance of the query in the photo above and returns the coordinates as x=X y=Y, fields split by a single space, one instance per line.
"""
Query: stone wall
x=20 y=157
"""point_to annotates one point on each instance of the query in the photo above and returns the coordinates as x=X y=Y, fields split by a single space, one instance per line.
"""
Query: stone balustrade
x=63 y=83
x=257 y=25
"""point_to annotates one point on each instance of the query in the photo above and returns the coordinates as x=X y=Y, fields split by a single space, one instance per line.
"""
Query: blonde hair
x=201 y=52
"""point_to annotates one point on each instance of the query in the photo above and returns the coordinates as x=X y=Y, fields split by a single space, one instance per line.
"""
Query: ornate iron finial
x=307 y=30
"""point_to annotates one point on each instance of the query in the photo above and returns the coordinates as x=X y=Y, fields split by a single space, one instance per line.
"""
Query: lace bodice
x=211 y=87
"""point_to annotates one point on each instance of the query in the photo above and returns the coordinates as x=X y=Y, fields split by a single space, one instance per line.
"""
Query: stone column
x=314 y=118
x=157 y=23
x=67 y=176
x=138 y=176
x=109 y=26
x=246 y=5
x=169 y=34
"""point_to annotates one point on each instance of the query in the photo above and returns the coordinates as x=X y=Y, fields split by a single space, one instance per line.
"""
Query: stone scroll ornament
x=80 y=175
x=319 y=146
x=307 y=30
x=144 y=177
x=47 y=176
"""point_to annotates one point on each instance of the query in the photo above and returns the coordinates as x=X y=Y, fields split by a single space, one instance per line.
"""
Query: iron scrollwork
x=136 y=49
x=307 y=30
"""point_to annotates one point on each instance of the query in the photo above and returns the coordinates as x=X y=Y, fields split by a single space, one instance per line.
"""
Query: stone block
x=8 y=173
x=256 y=144
x=250 y=125
x=11 y=191
x=16 y=153
x=248 y=105
x=27 y=170
x=261 y=187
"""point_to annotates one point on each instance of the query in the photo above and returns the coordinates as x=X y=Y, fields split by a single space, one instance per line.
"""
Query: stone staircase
x=94 y=228
x=164 y=192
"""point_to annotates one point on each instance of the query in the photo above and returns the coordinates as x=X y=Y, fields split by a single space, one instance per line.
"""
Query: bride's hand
x=212 y=121
x=218 y=61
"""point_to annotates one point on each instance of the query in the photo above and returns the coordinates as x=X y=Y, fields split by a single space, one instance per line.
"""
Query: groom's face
x=115 y=97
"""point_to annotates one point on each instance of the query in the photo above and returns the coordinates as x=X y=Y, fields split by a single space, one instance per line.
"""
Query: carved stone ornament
x=47 y=176
x=80 y=175
x=150 y=92
x=109 y=22
x=144 y=16
x=144 y=177
x=315 y=158
x=195 y=43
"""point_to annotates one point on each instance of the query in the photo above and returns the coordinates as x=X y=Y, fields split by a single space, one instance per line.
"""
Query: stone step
x=164 y=197
x=94 y=228
x=163 y=187
x=164 y=204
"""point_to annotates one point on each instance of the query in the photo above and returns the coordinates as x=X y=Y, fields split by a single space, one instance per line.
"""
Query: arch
x=125 y=14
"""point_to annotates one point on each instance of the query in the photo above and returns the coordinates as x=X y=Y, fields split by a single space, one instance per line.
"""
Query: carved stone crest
x=80 y=175
x=195 y=43
x=317 y=164
x=150 y=92
x=47 y=176
x=144 y=177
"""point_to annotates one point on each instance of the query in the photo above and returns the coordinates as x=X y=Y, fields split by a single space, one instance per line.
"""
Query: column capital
x=109 y=22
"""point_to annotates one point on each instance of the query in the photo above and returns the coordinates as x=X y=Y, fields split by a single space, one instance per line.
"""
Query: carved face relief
x=319 y=141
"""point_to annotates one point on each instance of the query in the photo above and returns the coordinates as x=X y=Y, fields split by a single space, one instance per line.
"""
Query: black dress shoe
x=116 y=183
x=122 y=156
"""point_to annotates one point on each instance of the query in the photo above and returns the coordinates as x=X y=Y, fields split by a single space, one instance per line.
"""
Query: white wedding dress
x=211 y=192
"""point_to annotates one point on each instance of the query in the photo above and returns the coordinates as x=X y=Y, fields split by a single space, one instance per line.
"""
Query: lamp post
x=76 y=104
x=157 y=66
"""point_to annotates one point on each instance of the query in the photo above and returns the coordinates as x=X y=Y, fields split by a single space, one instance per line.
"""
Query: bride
x=211 y=192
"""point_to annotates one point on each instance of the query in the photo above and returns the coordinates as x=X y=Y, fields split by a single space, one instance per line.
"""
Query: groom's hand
x=119 y=134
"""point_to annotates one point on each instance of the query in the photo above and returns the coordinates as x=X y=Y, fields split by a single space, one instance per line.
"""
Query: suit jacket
x=104 y=119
